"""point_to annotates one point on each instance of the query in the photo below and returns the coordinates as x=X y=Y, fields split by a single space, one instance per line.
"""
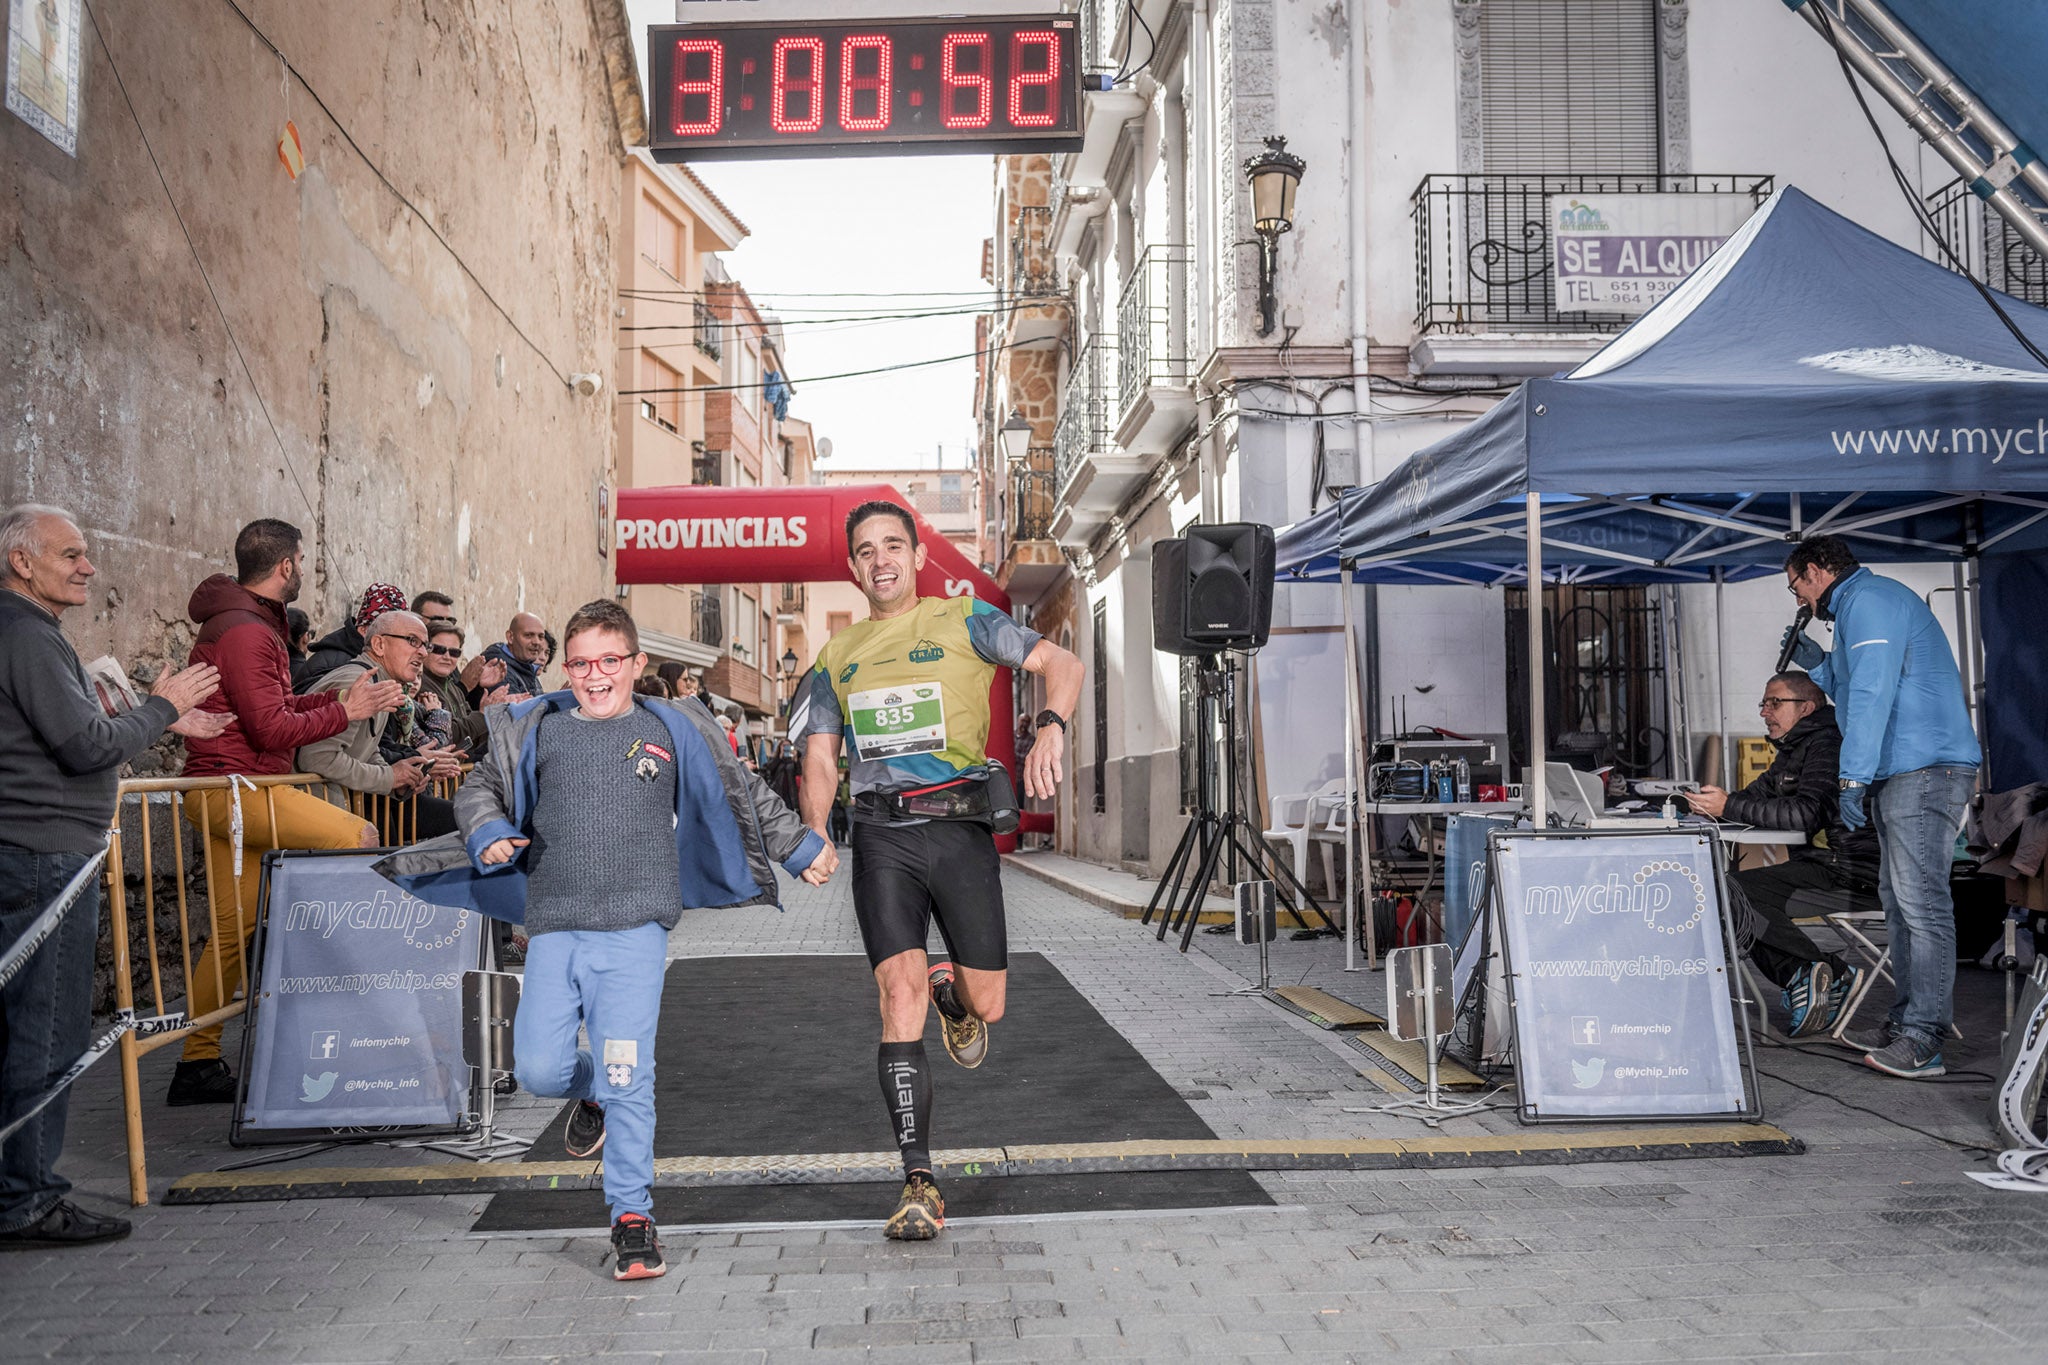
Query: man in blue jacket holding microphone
x=1908 y=766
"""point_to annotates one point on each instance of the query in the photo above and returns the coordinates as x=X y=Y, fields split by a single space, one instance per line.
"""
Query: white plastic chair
x=1296 y=819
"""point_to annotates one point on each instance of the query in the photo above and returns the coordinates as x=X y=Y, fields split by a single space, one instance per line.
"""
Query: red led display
x=800 y=88
x=895 y=86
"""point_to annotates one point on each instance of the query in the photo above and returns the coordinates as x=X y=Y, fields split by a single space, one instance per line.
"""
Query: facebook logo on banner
x=326 y=1046
x=1585 y=1030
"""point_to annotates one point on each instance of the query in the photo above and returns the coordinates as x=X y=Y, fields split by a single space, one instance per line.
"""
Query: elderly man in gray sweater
x=60 y=761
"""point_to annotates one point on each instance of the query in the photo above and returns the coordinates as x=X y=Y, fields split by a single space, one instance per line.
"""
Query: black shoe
x=67 y=1225
x=506 y=1084
x=207 y=1082
x=583 y=1134
x=637 y=1249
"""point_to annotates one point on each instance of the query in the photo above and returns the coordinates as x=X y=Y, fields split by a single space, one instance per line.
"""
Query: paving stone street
x=1871 y=1244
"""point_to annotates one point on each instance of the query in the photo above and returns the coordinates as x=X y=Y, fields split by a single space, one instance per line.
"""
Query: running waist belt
x=990 y=798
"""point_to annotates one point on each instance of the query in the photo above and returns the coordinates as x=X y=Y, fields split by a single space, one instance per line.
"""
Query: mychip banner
x=1620 y=253
x=356 y=1021
x=1618 y=975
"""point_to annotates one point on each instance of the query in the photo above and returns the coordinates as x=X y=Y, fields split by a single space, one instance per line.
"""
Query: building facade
x=363 y=313
x=1411 y=293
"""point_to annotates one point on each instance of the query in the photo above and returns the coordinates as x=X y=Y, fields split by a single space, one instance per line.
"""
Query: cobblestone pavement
x=1872 y=1244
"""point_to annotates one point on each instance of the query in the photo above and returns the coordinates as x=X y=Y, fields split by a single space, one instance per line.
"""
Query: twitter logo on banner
x=314 y=1091
x=1587 y=1074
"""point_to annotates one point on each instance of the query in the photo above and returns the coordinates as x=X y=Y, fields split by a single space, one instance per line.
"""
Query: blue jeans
x=609 y=980
x=45 y=1023
x=1916 y=816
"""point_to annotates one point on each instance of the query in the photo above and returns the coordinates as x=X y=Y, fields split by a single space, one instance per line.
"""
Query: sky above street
x=835 y=241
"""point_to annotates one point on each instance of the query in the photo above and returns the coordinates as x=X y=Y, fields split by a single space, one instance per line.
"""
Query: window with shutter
x=1569 y=86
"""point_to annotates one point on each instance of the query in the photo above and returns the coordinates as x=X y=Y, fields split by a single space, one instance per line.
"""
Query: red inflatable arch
x=791 y=534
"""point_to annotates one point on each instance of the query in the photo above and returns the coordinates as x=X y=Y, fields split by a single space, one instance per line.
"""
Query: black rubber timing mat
x=763 y=1056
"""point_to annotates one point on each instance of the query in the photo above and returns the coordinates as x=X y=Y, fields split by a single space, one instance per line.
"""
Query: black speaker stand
x=1212 y=836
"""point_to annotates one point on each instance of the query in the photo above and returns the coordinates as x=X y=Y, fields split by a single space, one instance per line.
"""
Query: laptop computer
x=1578 y=800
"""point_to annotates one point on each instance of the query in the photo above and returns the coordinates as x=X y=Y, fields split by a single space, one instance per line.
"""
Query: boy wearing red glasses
x=595 y=818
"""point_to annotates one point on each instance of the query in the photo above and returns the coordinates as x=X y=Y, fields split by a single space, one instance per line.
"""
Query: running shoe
x=919 y=1214
x=207 y=1082
x=1840 y=993
x=583 y=1134
x=966 y=1037
x=1805 y=999
x=1907 y=1057
x=636 y=1249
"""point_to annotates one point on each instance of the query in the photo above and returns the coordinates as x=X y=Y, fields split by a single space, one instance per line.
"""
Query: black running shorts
x=904 y=875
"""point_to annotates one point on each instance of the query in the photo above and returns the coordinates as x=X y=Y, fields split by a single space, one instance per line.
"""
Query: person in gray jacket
x=353 y=759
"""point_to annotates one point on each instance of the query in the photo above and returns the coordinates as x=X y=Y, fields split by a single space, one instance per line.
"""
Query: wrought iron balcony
x=1152 y=325
x=709 y=329
x=1086 y=413
x=1033 y=273
x=1483 y=246
x=707 y=619
x=707 y=468
x=1032 y=495
x=1989 y=246
x=792 y=599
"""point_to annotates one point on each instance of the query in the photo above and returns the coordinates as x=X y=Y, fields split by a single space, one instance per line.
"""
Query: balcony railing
x=1152 y=325
x=1086 y=415
x=709 y=330
x=1989 y=246
x=1032 y=273
x=707 y=468
x=1483 y=246
x=707 y=620
x=1032 y=495
x=792 y=599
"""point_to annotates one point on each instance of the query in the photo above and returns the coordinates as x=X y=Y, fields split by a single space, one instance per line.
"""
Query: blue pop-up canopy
x=1810 y=377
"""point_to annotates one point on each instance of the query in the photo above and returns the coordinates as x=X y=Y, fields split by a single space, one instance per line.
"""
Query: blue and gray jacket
x=731 y=828
x=1898 y=695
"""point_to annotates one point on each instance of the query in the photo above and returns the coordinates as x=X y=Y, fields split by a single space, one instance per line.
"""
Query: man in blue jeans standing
x=1909 y=766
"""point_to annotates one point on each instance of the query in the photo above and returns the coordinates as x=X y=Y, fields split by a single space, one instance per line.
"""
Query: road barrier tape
x=46 y=923
x=104 y=1044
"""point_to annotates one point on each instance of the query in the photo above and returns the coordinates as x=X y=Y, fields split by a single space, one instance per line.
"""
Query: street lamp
x=1014 y=437
x=1273 y=174
x=787 y=675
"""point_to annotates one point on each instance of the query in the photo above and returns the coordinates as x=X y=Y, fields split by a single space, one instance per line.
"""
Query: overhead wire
x=823 y=378
x=397 y=193
x=220 y=311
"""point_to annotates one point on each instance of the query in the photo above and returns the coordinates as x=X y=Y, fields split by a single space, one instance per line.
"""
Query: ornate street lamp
x=1013 y=438
x=1273 y=174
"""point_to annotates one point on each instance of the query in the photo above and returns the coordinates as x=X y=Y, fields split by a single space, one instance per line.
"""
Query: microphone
x=1792 y=638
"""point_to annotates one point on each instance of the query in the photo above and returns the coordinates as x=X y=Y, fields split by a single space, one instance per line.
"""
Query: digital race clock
x=898 y=86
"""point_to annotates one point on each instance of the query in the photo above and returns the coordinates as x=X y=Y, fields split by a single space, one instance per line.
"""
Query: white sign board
x=1619 y=975
x=1620 y=253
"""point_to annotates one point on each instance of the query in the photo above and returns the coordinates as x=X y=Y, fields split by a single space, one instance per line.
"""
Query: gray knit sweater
x=604 y=824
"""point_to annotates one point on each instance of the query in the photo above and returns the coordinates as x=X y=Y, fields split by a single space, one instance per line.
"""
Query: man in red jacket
x=242 y=632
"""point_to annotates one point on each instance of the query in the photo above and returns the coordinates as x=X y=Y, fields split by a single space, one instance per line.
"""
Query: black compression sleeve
x=907 y=1092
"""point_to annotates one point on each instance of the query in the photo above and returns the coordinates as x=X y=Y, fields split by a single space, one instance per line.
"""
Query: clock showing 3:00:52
x=1004 y=84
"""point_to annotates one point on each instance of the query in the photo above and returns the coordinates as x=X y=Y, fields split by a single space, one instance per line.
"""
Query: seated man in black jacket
x=1798 y=791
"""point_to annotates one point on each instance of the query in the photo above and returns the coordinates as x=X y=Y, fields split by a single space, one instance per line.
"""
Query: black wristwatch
x=1051 y=717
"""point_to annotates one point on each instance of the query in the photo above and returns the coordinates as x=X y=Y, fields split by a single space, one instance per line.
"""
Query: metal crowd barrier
x=396 y=820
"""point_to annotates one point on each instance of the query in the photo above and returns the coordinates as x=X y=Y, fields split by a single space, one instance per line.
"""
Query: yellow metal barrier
x=396 y=821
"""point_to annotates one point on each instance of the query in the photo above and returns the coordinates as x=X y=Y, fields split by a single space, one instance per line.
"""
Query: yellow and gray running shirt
x=909 y=695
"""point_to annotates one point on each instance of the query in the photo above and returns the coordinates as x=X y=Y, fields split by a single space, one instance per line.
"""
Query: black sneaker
x=583 y=1134
x=66 y=1225
x=207 y=1082
x=636 y=1249
x=920 y=1213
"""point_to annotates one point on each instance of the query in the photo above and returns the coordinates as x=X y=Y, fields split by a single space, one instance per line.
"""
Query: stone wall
x=404 y=316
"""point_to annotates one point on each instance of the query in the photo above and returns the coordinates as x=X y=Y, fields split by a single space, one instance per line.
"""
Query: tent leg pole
x=1721 y=682
x=1352 y=739
x=1539 y=806
x=1971 y=647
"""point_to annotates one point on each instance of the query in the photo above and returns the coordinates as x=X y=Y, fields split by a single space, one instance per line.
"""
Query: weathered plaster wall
x=424 y=435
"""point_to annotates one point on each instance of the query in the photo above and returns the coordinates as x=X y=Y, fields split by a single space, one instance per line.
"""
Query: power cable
x=822 y=378
x=1125 y=71
x=397 y=193
x=1925 y=219
x=255 y=389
